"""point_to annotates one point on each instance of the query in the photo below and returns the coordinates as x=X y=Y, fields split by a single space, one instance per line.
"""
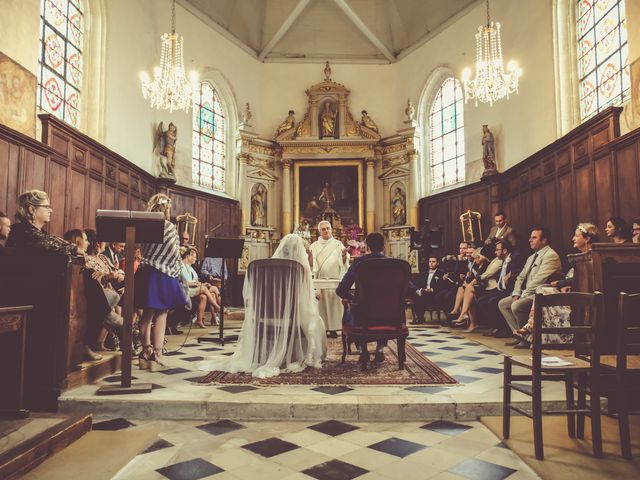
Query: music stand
x=131 y=228
x=225 y=248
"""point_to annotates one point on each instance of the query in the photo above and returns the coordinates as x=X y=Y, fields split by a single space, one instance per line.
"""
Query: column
x=386 y=202
x=242 y=192
x=413 y=190
x=371 y=197
x=313 y=117
x=286 y=197
x=343 y=116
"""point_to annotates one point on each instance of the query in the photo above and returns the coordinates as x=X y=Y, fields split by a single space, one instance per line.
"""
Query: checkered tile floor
x=477 y=368
x=329 y=450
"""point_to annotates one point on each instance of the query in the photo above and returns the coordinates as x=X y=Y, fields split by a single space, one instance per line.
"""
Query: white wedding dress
x=271 y=343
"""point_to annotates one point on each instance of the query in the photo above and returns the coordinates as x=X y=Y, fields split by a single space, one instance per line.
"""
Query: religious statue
x=327 y=72
x=165 y=144
x=488 y=152
x=327 y=197
x=328 y=120
x=398 y=207
x=409 y=111
x=366 y=121
x=247 y=115
x=288 y=124
x=258 y=206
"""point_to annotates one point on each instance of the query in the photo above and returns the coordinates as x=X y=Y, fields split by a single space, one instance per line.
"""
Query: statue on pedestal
x=368 y=122
x=398 y=208
x=288 y=124
x=328 y=120
x=247 y=115
x=165 y=144
x=409 y=111
x=258 y=206
x=488 y=152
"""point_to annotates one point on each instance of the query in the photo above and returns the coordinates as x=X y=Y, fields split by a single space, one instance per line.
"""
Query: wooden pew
x=608 y=268
x=54 y=285
x=13 y=323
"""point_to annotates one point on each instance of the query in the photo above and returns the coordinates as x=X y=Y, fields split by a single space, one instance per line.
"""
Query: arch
x=440 y=77
x=228 y=103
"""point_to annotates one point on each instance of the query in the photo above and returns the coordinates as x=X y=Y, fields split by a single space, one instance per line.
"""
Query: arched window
x=446 y=135
x=60 y=72
x=208 y=145
x=603 y=55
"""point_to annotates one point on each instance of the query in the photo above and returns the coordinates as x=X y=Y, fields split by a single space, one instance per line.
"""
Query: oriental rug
x=418 y=370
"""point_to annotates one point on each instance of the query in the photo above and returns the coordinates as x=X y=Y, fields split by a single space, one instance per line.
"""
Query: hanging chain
x=488 y=15
x=173 y=17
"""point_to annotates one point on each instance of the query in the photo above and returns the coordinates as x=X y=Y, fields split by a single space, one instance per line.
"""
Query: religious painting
x=329 y=190
x=17 y=97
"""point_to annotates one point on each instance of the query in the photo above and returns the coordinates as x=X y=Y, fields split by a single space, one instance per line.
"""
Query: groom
x=375 y=247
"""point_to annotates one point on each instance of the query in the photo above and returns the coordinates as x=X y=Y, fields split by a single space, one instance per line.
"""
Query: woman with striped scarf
x=157 y=286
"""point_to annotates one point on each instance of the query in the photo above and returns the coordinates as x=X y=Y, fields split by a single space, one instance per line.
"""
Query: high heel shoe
x=156 y=363
x=144 y=359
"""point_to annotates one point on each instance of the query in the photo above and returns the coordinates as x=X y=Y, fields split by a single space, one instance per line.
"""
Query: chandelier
x=170 y=89
x=491 y=82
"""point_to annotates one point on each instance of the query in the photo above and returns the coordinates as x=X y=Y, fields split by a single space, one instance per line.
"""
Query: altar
x=328 y=164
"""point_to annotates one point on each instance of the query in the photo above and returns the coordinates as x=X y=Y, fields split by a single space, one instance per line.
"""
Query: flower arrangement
x=354 y=234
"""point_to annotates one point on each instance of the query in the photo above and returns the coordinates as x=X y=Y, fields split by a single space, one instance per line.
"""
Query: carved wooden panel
x=57 y=190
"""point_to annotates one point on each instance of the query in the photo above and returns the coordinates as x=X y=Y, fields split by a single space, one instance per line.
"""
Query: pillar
x=242 y=192
x=371 y=197
x=286 y=197
x=413 y=190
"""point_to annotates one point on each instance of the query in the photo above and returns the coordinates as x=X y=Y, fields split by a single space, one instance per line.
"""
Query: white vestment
x=327 y=263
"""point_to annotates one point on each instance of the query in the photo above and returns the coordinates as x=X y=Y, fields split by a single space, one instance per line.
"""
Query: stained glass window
x=60 y=72
x=603 y=55
x=446 y=135
x=208 y=148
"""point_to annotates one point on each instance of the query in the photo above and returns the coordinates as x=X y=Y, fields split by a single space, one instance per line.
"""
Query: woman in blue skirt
x=157 y=286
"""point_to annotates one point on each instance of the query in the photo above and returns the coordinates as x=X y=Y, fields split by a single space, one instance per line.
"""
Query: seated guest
x=544 y=263
x=501 y=231
x=77 y=237
x=454 y=276
x=136 y=261
x=114 y=253
x=34 y=212
x=488 y=302
x=106 y=276
x=5 y=228
x=559 y=316
x=211 y=270
x=635 y=230
x=157 y=286
x=375 y=247
x=617 y=230
x=424 y=290
x=484 y=281
x=205 y=294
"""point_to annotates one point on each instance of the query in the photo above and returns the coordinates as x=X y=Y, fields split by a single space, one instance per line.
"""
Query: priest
x=330 y=261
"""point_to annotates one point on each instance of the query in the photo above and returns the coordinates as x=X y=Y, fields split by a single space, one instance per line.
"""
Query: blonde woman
x=157 y=286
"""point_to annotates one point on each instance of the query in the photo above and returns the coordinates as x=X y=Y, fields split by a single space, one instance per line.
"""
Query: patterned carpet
x=418 y=370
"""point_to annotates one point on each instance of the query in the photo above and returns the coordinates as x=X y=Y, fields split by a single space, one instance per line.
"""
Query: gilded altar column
x=242 y=191
x=371 y=197
x=313 y=113
x=343 y=116
x=286 y=196
x=414 y=189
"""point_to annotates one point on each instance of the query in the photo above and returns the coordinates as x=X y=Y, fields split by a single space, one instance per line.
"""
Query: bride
x=294 y=343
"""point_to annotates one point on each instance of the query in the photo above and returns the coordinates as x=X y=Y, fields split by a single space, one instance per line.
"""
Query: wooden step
x=19 y=459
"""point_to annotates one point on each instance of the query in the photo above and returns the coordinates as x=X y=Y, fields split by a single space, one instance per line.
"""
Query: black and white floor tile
x=330 y=450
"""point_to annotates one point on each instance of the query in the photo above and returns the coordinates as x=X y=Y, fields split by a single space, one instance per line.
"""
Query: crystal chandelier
x=491 y=82
x=170 y=89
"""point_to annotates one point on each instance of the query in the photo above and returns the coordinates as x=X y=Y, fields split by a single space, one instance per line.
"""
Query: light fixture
x=170 y=89
x=491 y=82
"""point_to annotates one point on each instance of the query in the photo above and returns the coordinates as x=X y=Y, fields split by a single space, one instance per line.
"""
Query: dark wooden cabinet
x=13 y=323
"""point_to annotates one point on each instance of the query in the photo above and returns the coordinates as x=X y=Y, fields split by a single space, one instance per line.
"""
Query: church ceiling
x=352 y=31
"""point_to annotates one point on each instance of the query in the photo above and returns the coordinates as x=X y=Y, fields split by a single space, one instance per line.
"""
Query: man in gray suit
x=501 y=231
x=539 y=267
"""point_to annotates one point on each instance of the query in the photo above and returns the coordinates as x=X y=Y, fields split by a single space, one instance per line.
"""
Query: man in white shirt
x=424 y=290
x=501 y=230
x=539 y=267
x=330 y=260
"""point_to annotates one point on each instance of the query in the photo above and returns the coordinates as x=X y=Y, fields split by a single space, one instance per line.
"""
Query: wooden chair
x=625 y=365
x=379 y=308
x=271 y=279
x=581 y=371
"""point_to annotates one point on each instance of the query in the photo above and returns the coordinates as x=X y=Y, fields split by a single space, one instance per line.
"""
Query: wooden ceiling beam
x=284 y=28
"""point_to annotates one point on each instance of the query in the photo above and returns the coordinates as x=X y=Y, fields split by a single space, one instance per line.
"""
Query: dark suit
x=424 y=299
x=445 y=298
x=488 y=302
